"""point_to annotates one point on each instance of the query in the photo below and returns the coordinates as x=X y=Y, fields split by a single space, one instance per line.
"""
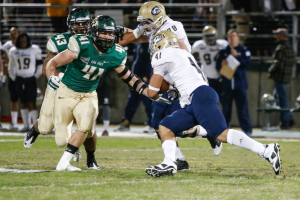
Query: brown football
x=164 y=87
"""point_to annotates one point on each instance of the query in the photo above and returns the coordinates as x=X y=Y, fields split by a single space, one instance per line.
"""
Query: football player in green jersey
x=88 y=58
x=79 y=22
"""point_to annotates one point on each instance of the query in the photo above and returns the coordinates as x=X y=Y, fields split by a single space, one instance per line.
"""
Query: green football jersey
x=58 y=43
x=84 y=73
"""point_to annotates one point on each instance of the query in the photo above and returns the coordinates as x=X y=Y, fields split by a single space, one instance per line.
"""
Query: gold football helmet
x=209 y=34
x=152 y=15
x=269 y=101
x=162 y=40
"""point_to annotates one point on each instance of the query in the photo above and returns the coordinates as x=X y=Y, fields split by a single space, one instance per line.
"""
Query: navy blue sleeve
x=244 y=58
x=220 y=58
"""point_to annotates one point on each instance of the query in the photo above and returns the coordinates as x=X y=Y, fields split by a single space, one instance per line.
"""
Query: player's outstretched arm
x=131 y=80
x=50 y=55
x=135 y=83
x=136 y=36
x=60 y=59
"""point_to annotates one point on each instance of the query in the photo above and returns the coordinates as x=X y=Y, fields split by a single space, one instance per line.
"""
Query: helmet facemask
x=148 y=24
x=104 y=39
x=80 y=28
x=210 y=39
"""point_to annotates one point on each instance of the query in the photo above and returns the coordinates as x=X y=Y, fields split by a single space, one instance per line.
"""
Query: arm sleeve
x=74 y=46
x=38 y=53
x=180 y=32
x=279 y=56
x=51 y=46
x=244 y=59
x=196 y=47
x=11 y=66
x=161 y=69
x=219 y=60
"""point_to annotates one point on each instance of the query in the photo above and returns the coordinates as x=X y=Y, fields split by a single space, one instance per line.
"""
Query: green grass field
x=235 y=174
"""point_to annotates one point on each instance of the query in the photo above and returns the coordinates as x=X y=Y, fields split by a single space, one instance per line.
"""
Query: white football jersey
x=23 y=61
x=7 y=46
x=208 y=56
x=177 y=28
x=182 y=69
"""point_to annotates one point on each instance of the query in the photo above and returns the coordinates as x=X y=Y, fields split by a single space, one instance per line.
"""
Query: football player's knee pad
x=61 y=141
x=62 y=136
x=45 y=124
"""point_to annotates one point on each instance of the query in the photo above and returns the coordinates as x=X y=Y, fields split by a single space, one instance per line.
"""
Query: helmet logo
x=156 y=10
x=157 y=38
x=95 y=22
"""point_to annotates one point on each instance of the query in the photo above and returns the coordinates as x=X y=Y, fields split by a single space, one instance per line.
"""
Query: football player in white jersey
x=153 y=18
x=199 y=105
x=24 y=59
x=14 y=98
x=206 y=51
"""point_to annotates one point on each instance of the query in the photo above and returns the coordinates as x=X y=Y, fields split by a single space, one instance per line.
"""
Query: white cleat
x=272 y=155
x=69 y=168
x=218 y=148
x=168 y=167
x=77 y=155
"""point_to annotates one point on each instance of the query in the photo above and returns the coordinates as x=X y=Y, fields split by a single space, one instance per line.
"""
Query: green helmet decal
x=106 y=25
x=79 y=21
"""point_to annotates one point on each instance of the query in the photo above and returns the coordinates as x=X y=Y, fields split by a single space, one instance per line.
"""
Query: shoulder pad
x=119 y=53
x=82 y=40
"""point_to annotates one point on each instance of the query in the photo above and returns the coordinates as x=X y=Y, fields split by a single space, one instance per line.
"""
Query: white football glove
x=53 y=82
x=138 y=31
x=163 y=100
x=173 y=94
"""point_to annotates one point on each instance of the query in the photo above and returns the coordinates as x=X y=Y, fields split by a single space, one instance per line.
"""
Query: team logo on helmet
x=156 y=10
x=95 y=22
x=157 y=38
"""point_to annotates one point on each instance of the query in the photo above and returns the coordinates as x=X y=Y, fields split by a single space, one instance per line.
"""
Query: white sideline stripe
x=10 y=140
x=100 y=183
x=23 y=171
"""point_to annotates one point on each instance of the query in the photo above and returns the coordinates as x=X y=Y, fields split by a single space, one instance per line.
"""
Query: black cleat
x=215 y=145
x=182 y=165
x=92 y=164
x=30 y=137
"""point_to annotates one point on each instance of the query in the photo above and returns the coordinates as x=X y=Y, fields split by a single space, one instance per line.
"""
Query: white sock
x=14 y=118
x=169 y=147
x=24 y=114
x=106 y=124
x=240 y=139
x=178 y=154
x=66 y=157
x=34 y=115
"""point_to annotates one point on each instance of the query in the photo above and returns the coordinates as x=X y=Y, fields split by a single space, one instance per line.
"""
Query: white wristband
x=138 y=32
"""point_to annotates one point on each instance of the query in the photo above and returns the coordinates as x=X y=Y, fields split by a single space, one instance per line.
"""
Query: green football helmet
x=104 y=32
x=79 y=21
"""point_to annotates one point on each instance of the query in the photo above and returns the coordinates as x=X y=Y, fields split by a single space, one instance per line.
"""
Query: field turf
x=235 y=174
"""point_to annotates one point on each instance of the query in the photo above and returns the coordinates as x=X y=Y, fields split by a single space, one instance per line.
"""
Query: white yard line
x=10 y=140
x=99 y=183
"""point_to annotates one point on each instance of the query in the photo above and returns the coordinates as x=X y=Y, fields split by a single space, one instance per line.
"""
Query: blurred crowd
x=193 y=18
